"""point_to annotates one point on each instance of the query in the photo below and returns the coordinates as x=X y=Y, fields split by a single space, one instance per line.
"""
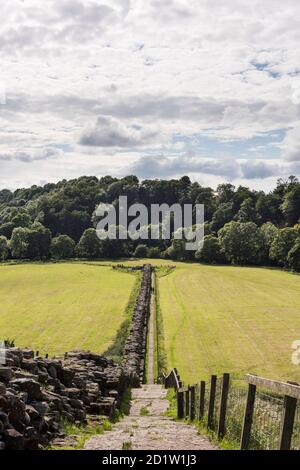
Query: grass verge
x=79 y=434
x=115 y=351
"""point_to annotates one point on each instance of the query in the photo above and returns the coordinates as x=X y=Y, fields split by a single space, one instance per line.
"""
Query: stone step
x=153 y=431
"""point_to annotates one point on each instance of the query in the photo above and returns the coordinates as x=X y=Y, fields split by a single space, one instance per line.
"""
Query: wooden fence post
x=223 y=406
x=287 y=424
x=212 y=399
x=245 y=438
x=180 y=404
x=192 y=405
x=187 y=402
x=201 y=399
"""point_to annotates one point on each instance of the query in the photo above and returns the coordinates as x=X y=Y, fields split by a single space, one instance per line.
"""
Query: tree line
x=242 y=226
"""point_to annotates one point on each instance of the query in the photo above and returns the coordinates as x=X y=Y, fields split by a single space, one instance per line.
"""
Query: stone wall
x=136 y=344
x=37 y=393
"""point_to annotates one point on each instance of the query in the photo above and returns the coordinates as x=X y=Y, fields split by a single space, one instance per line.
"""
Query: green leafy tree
x=39 y=239
x=141 y=251
x=19 y=243
x=89 y=245
x=282 y=244
x=293 y=258
x=291 y=205
x=225 y=193
x=62 y=247
x=22 y=220
x=177 y=250
x=268 y=233
x=222 y=215
x=154 y=252
x=4 y=248
x=241 y=242
x=268 y=208
x=211 y=252
x=247 y=212
x=6 y=229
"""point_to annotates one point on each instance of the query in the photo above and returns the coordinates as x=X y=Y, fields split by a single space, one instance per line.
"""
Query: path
x=152 y=431
x=150 y=357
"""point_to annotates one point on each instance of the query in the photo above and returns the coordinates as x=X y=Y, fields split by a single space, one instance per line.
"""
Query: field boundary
x=264 y=417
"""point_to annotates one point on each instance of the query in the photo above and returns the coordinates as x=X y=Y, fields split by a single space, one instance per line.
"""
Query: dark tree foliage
x=30 y=217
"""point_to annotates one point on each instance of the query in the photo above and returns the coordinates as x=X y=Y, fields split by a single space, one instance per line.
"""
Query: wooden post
x=245 y=439
x=178 y=381
x=187 y=402
x=212 y=399
x=37 y=353
x=287 y=423
x=223 y=406
x=202 y=399
x=192 y=405
x=180 y=405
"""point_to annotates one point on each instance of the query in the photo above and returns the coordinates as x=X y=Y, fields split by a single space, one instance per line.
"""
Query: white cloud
x=291 y=145
x=110 y=132
x=151 y=71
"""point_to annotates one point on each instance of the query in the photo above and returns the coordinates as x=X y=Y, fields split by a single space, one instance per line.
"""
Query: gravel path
x=150 y=368
x=146 y=427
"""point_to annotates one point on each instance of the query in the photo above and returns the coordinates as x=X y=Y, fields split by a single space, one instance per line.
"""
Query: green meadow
x=55 y=308
x=230 y=319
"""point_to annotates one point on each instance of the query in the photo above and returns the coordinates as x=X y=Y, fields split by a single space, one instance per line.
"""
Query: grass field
x=230 y=319
x=55 y=308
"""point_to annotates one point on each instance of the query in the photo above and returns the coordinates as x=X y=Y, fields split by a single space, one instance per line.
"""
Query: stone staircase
x=148 y=428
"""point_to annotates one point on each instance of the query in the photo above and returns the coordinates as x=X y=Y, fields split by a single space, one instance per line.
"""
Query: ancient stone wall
x=37 y=393
x=136 y=344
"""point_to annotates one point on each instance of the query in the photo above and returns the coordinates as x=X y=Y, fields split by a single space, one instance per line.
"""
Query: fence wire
x=217 y=403
x=267 y=416
x=296 y=433
x=266 y=421
x=235 y=413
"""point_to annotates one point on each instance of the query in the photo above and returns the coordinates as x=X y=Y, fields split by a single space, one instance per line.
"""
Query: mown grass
x=230 y=319
x=57 y=307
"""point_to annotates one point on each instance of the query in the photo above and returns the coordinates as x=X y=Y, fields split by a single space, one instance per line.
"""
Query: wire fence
x=235 y=413
x=296 y=433
x=267 y=415
x=266 y=422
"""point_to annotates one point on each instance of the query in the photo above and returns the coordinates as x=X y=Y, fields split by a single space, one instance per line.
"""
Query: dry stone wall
x=136 y=344
x=36 y=394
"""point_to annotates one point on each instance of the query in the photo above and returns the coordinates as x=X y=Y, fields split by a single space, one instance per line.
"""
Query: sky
x=156 y=88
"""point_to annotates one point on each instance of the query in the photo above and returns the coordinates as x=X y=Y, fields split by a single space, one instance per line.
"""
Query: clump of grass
x=124 y=407
x=172 y=410
x=81 y=433
x=127 y=445
x=71 y=429
x=144 y=411
x=125 y=403
x=9 y=343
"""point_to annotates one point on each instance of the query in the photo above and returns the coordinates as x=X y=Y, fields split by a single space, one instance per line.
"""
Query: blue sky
x=206 y=88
